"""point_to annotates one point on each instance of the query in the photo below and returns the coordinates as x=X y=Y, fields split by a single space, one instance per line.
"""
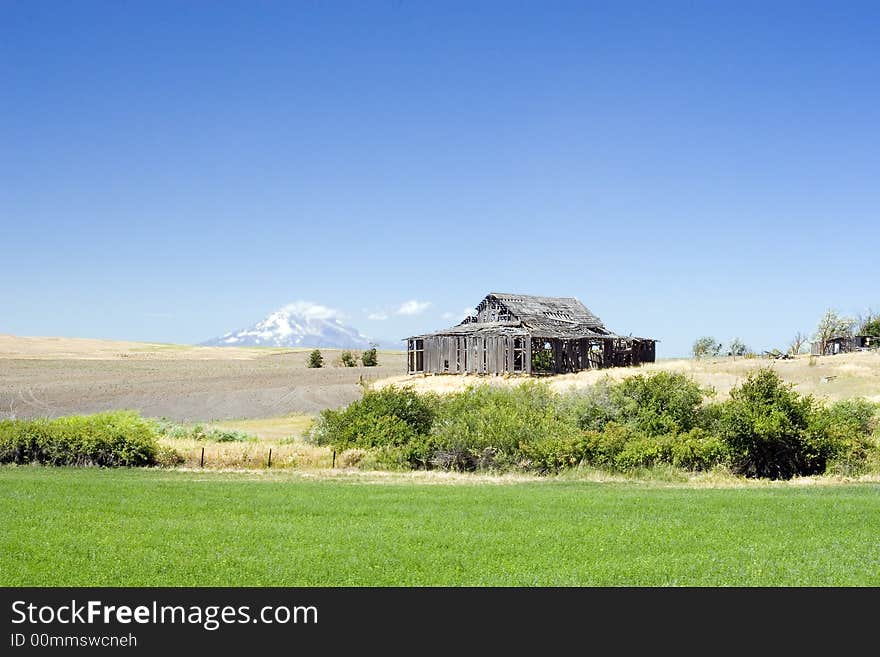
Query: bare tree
x=833 y=325
x=706 y=346
x=11 y=414
x=737 y=348
x=797 y=343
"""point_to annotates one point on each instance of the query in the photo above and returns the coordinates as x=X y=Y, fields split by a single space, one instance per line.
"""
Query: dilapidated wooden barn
x=517 y=333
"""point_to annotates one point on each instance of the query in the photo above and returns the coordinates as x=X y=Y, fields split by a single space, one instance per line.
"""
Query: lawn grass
x=119 y=527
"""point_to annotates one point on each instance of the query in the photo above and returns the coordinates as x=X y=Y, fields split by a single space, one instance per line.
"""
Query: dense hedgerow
x=105 y=439
x=765 y=430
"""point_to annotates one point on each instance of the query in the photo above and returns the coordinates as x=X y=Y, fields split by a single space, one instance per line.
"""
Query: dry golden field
x=829 y=377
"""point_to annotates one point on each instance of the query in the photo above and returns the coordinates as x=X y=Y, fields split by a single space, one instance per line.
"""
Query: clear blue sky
x=172 y=171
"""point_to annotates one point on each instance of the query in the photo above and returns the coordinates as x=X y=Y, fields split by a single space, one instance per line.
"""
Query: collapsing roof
x=541 y=317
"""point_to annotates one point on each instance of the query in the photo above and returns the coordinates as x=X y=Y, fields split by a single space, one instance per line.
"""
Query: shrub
x=765 y=424
x=662 y=403
x=594 y=407
x=106 y=439
x=655 y=404
x=488 y=426
x=644 y=452
x=229 y=436
x=167 y=457
x=348 y=359
x=697 y=450
x=846 y=427
x=390 y=417
x=316 y=359
x=556 y=453
x=370 y=357
x=201 y=433
x=604 y=447
x=351 y=458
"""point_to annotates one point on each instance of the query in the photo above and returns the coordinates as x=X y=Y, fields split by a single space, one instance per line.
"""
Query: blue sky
x=172 y=171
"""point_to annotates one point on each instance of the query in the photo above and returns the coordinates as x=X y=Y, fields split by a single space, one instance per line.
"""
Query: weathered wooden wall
x=496 y=354
x=490 y=354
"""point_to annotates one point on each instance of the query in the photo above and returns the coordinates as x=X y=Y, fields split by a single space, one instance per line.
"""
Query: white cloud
x=378 y=316
x=311 y=310
x=413 y=307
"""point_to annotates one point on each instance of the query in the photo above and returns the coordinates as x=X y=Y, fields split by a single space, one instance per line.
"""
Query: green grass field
x=69 y=527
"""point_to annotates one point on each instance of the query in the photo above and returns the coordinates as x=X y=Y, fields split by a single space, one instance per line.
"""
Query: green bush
x=106 y=439
x=592 y=408
x=645 y=452
x=847 y=427
x=199 y=432
x=766 y=426
x=315 y=359
x=390 y=417
x=658 y=404
x=655 y=404
x=555 y=454
x=167 y=457
x=370 y=358
x=486 y=426
x=698 y=450
x=348 y=359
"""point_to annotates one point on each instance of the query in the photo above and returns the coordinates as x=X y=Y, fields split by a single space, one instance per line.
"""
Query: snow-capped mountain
x=300 y=324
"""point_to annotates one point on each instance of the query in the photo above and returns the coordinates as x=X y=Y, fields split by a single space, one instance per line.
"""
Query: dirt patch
x=50 y=377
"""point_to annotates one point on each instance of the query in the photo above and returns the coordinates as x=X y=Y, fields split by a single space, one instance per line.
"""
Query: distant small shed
x=518 y=333
x=845 y=344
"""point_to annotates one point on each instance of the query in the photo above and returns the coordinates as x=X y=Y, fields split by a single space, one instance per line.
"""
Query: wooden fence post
x=270 y=458
x=202 y=460
x=334 y=458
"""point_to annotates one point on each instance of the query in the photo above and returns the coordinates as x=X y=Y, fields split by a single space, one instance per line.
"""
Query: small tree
x=738 y=348
x=797 y=343
x=706 y=346
x=871 y=327
x=370 y=357
x=316 y=359
x=832 y=325
x=348 y=359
